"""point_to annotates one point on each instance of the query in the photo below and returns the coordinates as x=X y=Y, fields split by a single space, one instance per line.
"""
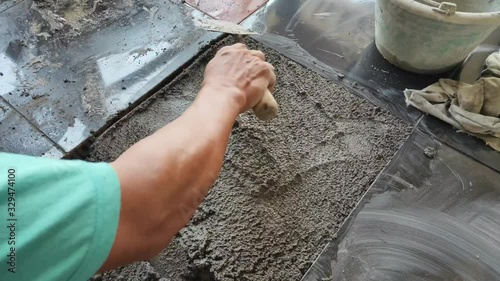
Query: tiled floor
x=431 y=215
x=5 y=4
x=470 y=146
x=70 y=84
x=229 y=10
x=19 y=136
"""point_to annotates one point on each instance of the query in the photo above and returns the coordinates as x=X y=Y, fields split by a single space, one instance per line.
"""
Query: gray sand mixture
x=286 y=185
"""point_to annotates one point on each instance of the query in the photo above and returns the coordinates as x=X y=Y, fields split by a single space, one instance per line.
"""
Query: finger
x=239 y=46
x=258 y=54
x=226 y=49
x=272 y=79
x=270 y=66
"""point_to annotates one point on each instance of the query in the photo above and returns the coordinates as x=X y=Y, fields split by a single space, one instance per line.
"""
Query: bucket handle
x=446 y=8
x=431 y=3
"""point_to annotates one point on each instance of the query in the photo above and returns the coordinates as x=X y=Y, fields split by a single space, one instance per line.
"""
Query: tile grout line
x=254 y=12
x=212 y=17
x=6 y=9
x=32 y=124
x=197 y=9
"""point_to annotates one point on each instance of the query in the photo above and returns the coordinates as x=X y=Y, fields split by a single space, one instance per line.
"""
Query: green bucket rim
x=461 y=18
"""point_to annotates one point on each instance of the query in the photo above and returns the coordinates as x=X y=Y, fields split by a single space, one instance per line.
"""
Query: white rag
x=473 y=109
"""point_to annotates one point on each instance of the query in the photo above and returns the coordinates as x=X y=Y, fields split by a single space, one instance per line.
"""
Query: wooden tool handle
x=267 y=108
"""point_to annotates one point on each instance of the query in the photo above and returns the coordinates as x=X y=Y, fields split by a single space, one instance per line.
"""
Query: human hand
x=243 y=72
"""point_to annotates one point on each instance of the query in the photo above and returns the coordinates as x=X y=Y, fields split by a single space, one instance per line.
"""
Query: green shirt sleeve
x=58 y=218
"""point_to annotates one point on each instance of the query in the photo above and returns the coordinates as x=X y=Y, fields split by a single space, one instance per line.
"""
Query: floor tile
x=71 y=80
x=431 y=215
x=6 y=4
x=469 y=145
x=229 y=10
x=17 y=135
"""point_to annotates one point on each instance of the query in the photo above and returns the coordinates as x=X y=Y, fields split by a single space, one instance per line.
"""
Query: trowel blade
x=223 y=26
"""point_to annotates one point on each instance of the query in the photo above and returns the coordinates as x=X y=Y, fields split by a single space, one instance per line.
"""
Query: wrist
x=223 y=97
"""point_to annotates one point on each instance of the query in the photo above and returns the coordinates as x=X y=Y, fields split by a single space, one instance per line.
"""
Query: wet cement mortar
x=286 y=186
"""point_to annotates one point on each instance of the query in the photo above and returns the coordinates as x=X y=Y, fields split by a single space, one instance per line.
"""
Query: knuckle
x=260 y=64
x=259 y=52
x=225 y=50
x=251 y=59
x=265 y=66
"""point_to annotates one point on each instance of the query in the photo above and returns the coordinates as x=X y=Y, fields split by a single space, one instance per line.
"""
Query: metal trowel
x=267 y=108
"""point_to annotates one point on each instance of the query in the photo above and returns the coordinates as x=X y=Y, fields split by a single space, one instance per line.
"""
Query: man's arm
x=165 y=177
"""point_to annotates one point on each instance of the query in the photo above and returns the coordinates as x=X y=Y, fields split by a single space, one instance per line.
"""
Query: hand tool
x=267 y=108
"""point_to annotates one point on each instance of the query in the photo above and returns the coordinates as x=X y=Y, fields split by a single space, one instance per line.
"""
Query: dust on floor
x=70 y=18
x=286 y=185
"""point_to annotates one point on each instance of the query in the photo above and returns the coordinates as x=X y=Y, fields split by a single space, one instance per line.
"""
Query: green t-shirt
x=58 y=218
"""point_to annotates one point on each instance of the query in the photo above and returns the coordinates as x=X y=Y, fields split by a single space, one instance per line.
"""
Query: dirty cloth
x=473 y=109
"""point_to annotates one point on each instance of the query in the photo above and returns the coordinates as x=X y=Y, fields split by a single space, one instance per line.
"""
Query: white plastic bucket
x=429 y=37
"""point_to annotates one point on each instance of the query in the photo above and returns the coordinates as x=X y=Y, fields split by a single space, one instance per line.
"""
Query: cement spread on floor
x=286 y=185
